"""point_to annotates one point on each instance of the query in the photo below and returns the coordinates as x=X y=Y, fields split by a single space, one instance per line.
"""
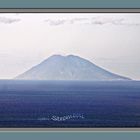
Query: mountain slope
x=69 y=67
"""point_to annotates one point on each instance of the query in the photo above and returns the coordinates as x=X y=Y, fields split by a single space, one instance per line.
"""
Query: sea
x=69 y=104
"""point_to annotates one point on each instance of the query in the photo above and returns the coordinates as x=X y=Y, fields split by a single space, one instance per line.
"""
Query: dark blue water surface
x=69 y=104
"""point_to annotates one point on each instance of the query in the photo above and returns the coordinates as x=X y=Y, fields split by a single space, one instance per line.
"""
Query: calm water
x=69 y=104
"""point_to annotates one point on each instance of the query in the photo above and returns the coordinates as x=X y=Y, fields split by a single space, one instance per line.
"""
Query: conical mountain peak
x=69 y=67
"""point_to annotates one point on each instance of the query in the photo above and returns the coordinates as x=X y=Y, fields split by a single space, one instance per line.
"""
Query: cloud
x=102 y=21
x=55 y=22
x=76 y=20
x=92 y=21
x=8 y=20
x=65 y=21
x=114 y=21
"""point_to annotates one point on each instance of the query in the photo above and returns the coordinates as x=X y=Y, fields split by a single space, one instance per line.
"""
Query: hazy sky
x=111 y=41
